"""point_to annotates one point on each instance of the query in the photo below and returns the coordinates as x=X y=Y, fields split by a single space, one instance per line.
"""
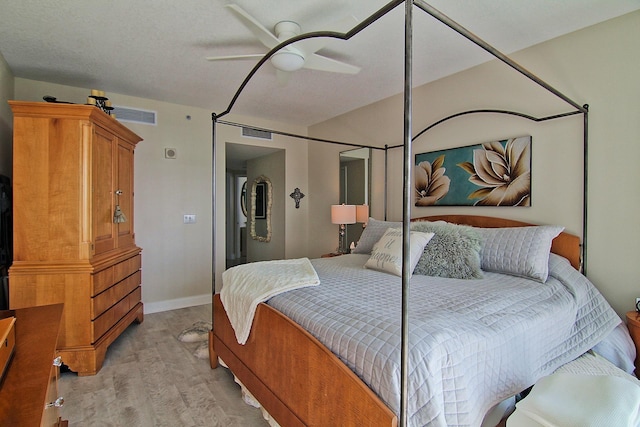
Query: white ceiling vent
x=135 y=115
x=256 y=133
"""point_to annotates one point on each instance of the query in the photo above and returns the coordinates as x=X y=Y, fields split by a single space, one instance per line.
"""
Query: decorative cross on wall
x=297 y=195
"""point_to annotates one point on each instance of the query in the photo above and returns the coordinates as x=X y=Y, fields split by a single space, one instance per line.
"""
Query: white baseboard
x=174 y=304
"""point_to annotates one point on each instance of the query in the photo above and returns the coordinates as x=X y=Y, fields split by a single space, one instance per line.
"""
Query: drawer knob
x=55 y=404
x=57 y=361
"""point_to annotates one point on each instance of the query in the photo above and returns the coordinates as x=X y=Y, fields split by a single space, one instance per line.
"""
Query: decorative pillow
x=387 y=252
x=519 y=251
x=372 y=233
x=453 y=252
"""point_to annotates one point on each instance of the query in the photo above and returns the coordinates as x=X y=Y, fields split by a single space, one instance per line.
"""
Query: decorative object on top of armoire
x=72 y=171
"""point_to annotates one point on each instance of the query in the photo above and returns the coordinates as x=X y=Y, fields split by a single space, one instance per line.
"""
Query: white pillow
x=386 y=254
x=519 y=251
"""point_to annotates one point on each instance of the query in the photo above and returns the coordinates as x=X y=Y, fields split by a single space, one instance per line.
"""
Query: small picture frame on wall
x=261 y=200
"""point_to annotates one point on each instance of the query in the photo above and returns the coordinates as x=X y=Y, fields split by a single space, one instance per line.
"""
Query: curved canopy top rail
x=495 y=111
x=315 y=34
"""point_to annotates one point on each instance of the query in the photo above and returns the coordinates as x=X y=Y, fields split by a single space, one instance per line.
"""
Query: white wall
x=176 y=258
x=273 y=167
x=296 y=155
x=598 y=66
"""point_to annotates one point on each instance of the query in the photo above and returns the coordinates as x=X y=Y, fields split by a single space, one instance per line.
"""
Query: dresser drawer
x=110 y=317
x=104 y=279
x=101 y=303
x=51 y=415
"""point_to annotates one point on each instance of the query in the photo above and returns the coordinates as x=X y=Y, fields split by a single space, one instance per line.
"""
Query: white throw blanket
x=245 y=286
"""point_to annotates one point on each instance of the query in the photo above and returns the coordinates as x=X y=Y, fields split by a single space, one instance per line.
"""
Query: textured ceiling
x=156 y=48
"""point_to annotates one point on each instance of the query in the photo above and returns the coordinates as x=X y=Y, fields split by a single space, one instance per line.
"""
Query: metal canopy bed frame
x=408 y=140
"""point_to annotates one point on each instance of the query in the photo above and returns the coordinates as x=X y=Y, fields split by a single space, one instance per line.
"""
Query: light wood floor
x=149 y=378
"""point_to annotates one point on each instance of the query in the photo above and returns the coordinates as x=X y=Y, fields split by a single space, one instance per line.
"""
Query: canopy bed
x=301 y=379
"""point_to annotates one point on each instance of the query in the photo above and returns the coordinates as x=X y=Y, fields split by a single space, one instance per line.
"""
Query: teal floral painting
x=496 y=173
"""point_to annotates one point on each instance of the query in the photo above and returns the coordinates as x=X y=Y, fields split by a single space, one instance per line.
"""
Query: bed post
x=406 y=209
x=585 y=166
x=213 y=357
x=386 y=184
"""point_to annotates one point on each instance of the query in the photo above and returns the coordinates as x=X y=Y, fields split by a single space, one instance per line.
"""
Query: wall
x=176 y=257
x=271 y=166
x=597 y=65
x=296 y=175
x=353 y=171
x=6 y=118
x=324 y=184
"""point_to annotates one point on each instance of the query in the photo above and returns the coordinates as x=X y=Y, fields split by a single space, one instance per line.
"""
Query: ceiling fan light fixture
x=287 y=61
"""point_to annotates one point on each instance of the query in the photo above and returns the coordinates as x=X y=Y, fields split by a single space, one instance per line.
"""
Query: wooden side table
x=330 y=255
x=633 y=323
x=29 y=390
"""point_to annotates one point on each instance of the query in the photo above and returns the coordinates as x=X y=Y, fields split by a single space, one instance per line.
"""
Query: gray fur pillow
x=453 y=252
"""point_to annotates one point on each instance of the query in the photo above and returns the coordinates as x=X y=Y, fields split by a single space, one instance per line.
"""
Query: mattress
x=473 y=343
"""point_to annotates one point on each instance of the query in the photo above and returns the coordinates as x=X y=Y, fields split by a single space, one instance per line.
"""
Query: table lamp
x=342 y=215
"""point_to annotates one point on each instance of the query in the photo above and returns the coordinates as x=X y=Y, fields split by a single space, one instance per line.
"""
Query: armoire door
x=103 y=171
x=124 y=196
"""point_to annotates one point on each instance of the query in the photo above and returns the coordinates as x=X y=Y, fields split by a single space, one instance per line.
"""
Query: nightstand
x=332 y=254
x=633 y=323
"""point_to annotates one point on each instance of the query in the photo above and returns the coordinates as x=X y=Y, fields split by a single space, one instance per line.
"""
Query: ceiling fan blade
x=322 y=63
x=265 y=36
x=309 y=46
x=223 y=58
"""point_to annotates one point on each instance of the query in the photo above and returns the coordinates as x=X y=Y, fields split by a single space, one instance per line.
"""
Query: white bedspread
x=245 y=286
x=473 y=343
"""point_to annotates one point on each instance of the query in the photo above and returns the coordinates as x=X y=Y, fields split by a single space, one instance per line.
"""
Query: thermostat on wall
x=170 y=153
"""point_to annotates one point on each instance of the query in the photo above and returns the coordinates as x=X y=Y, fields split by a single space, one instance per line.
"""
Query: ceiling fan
x=293 y=57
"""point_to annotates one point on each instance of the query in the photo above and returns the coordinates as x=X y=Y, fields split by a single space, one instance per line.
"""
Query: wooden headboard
x=565 y=244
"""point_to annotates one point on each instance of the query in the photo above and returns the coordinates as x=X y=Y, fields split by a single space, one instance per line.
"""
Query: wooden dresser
x=72 y=169
x=29 y=392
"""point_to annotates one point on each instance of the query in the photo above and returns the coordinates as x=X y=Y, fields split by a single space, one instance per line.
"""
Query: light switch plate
x=190 y=219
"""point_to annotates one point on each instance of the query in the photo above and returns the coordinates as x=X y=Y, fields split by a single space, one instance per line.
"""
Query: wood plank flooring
x=149 y=378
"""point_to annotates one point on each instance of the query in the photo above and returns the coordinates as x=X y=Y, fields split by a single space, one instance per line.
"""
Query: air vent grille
x=135 y=115
x=256 y=133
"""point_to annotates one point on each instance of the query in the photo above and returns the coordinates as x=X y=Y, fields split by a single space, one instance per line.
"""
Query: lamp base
x=342 y=247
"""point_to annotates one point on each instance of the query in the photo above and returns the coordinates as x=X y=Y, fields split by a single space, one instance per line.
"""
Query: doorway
x=237 y=192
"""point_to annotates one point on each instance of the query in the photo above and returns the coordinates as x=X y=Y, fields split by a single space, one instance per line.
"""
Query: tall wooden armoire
x=72 y=177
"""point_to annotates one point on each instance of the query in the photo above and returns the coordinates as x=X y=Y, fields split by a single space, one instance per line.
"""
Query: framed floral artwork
x=496 y=173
